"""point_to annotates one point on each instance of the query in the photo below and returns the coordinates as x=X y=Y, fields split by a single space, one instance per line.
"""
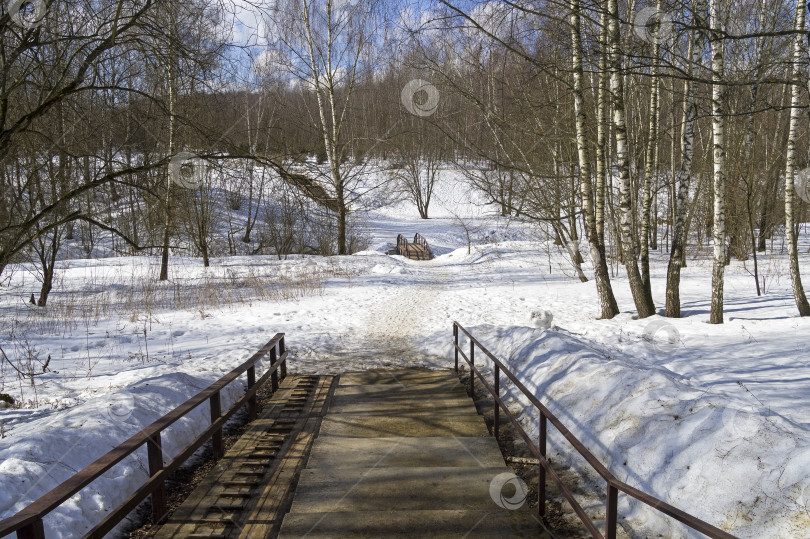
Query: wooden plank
x=276 y=499
x=393 y=472
x=274 y=443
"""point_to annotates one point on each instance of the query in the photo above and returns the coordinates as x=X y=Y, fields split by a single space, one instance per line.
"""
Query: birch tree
x=322 y=43
x=717 y=44
x=790 y=161
x=171 y=60
x=643 y=300
x=607 y=300
x=601 y=128
x=649 y=161
x=676 y=255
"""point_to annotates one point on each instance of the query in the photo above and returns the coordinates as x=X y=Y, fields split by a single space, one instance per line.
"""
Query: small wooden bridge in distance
x=416 y=250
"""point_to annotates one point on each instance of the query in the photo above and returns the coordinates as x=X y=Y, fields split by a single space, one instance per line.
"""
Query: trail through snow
x=391 y=326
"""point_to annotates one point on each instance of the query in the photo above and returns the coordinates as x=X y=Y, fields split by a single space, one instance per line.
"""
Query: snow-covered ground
x=714 y=419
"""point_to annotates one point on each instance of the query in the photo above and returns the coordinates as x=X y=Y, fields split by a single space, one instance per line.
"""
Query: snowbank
x=740 y=469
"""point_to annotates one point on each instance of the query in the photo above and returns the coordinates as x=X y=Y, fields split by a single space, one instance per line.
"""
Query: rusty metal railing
x=28 y=523
x=538 y=449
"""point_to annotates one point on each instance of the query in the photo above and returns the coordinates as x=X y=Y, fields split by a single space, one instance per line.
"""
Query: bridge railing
x=403 y=247
x=419 y=240
x=28 y=523
x=538 y=449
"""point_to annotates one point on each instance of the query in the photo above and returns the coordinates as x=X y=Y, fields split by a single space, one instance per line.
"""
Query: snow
x=714 y=419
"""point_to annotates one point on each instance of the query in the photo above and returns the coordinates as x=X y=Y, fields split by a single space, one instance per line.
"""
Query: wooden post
x=35 y=530
x=611 y=505
x=472 y=364
x=281 y=349
x=274 y=374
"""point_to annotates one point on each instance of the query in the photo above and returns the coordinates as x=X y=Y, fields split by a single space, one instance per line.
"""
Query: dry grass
x=108 y=296
x=135 y=295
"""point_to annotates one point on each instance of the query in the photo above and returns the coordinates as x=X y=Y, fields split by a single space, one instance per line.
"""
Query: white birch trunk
x=649 y=161
x=676 y=255
x=790 y=166
x=172 y=90
x=601 y=130
x=718 y=158
x=607 y=300
x=643 y=301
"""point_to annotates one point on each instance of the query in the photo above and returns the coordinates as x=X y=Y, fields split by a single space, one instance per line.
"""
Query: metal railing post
x=216 y=438
x=495 y=425
x=251 y=381
x=541 y=476
x=281 y=349
x=472 y=364
x=455 y=348
x=611 y=505
x=154 y=452
x=274 y=375
x=35 y=530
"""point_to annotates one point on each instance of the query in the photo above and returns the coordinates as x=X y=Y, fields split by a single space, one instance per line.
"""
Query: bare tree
x=649 y=160
x=607 y=301
x=718 y=158
x=676 y=255
x=323 y=44
x=417 y=176
x=48 y=64
x=201 y=212
x=643 y=300
x=799 y=57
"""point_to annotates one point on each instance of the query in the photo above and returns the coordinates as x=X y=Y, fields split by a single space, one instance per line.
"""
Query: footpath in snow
x=713 y=419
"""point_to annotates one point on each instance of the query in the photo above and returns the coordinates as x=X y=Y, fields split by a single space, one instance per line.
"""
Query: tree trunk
x=172 y=82
x=643 y=300
x=718 y=158
x=601 y=132
x=248 y=223
x=748 y=162
x=48 y=259
x=676 y=254
x=47 y=284
x=607 y=300
x=791 y=236
x=47 y=281
x=341 y=224
x=649 y=170
x=654 y=224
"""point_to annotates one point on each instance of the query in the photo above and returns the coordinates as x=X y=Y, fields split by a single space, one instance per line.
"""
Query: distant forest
x=625 y=127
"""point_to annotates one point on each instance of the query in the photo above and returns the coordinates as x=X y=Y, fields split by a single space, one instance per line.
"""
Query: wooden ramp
x=403 y=453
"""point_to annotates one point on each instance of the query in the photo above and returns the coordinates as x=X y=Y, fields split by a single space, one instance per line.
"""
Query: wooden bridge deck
x=394 y=453
x=403 y=454
x=417 y=252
